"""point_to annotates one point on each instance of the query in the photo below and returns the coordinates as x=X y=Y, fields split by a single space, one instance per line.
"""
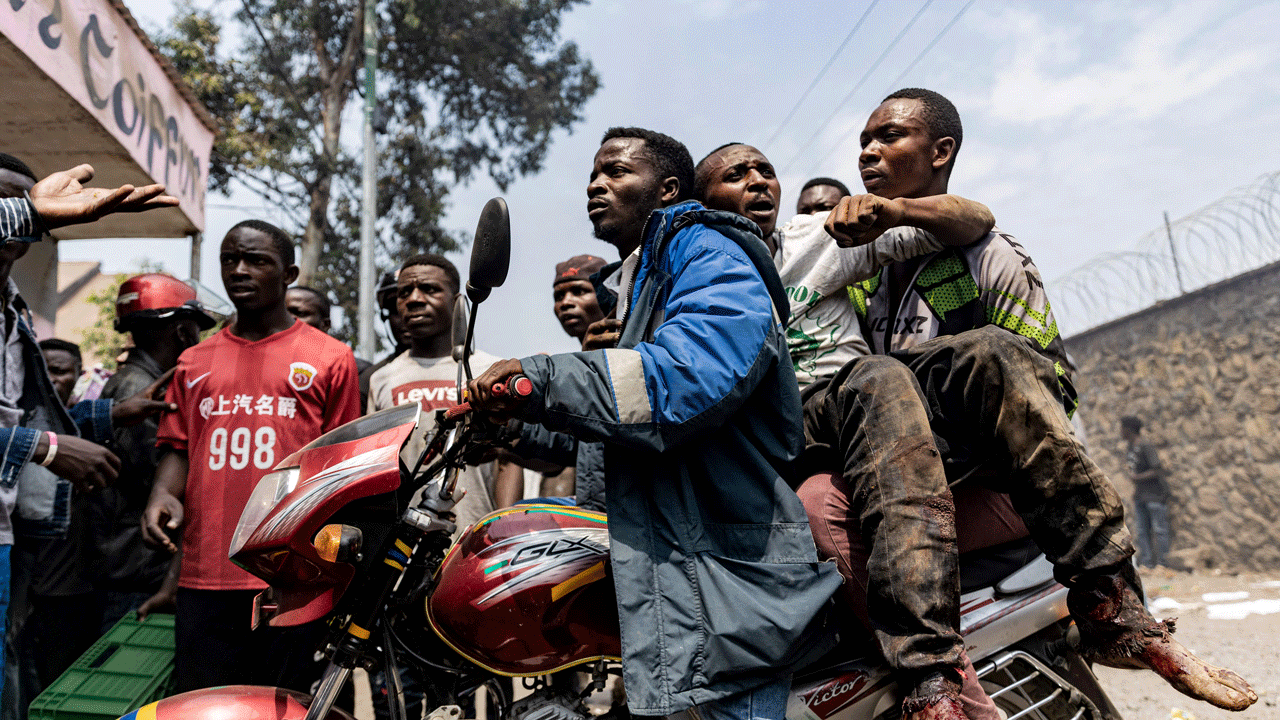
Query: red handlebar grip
x=517 y=385
x=458 y=410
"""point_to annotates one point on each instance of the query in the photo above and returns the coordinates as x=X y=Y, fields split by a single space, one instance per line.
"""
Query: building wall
x=36 y=274
x=1203 y=373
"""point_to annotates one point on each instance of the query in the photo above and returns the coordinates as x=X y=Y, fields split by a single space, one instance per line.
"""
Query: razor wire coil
x=1232 y=235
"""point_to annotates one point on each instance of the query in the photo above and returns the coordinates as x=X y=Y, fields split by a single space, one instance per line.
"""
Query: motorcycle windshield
x=367 y=426
x=277 y=486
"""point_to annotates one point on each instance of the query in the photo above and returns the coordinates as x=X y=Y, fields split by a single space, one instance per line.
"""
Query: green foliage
x=102 y=339
x=464 y=87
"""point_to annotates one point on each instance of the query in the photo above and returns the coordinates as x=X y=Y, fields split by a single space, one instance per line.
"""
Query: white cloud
x=719 y=9
x=1132 y=62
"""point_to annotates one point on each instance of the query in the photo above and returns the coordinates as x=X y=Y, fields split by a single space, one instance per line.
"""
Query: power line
x=856 y=87
x=895 y=85
x=820 y=75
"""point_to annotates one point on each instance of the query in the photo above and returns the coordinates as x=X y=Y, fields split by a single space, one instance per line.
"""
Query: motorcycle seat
x=989 y=567
x=1037 y=573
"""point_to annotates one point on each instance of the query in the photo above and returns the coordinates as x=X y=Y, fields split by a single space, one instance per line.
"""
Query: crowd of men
x=878 y=382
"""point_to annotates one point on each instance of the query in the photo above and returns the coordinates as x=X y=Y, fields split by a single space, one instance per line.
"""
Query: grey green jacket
x=718 y=585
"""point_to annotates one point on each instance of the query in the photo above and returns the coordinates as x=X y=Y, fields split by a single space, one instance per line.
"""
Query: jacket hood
x=664 y=222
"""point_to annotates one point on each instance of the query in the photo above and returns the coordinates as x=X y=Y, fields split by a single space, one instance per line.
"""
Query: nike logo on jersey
x=192 y=383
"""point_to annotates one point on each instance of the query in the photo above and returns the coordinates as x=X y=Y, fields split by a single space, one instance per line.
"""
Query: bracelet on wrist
x=52 y=452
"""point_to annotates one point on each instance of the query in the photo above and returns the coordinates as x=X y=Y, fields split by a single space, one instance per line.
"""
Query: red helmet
x=156 y=295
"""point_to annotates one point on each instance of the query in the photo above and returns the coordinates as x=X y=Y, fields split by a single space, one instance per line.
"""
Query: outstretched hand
x=860 y=219
x=148 y=401
x=61 y=199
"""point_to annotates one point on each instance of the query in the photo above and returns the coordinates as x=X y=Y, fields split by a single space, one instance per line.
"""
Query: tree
x=101 y=339
x=464 y=86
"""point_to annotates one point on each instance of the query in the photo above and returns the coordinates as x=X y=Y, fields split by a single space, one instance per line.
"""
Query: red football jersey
x=243 y=407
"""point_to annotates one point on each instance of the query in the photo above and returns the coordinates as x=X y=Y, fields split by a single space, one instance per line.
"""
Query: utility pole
x=197 y=245
x=1173 y=251
x=364 y=323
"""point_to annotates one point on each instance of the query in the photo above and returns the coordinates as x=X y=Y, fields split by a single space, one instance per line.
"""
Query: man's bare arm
x=950 y=218
x=165 y=512
x=953 y=220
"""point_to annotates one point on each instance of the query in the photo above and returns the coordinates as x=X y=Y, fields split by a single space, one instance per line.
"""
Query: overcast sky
x=1083 y=121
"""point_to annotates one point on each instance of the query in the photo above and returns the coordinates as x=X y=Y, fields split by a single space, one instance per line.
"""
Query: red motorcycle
x=343 y=529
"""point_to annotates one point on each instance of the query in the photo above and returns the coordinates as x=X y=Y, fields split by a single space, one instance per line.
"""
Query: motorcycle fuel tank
x=528 y=590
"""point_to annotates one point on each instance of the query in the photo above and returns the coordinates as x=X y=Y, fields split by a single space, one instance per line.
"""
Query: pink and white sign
x=91 y=52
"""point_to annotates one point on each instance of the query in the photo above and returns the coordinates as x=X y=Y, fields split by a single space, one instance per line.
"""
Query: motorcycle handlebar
x=515 y=386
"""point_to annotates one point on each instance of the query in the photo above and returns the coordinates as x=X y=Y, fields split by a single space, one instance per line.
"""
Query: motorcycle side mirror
x=490 y=258
x=491 y=250
x=458 y=332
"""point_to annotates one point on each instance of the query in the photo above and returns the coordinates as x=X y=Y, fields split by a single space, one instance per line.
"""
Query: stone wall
x=1203 y=373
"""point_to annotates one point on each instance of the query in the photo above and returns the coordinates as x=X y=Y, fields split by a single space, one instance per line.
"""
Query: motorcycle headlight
x=270 y=490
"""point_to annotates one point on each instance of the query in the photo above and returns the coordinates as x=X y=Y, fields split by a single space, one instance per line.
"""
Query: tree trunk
x=338 y=84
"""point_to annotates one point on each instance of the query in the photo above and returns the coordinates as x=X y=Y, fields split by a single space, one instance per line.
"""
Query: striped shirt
x=18 y=220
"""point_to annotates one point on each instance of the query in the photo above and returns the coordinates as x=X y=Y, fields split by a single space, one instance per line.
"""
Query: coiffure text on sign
x=89 y=50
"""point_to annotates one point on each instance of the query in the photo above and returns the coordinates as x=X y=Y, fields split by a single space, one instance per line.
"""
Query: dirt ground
x=1249 y=645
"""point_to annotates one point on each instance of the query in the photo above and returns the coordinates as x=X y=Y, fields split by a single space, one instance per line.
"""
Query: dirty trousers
x=979 y=407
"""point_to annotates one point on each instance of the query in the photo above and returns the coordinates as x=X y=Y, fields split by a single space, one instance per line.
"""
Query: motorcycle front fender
x=233 y=702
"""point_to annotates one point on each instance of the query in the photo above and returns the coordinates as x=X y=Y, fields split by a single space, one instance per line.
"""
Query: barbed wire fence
x=1234 y=234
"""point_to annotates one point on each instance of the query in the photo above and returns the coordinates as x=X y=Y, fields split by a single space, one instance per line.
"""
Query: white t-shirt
x=624 y=273
x=432 y=383
x=824 y=333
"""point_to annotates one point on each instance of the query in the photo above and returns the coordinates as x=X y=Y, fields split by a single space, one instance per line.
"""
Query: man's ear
x=944 y=149
x=290 y=275
x=670 y=190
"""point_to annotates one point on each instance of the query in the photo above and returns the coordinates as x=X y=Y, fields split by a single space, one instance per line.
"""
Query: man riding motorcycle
x=718 y=585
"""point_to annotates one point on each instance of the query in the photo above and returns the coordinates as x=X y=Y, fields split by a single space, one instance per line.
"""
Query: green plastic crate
x=130 y=666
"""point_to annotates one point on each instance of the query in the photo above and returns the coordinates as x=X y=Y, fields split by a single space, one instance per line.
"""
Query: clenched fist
x=860 y=219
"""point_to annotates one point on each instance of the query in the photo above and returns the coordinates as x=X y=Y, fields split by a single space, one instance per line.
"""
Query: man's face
x=818 y=198
x=253 y=273
x=740 y=179
x=186 y=333
x=624 y=189
x=576 y=306
x=64 y=370
x=899 y=157
x=424 y=300
x=305 y=306
x=13 y=185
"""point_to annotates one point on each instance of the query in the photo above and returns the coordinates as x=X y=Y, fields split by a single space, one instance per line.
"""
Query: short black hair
x=439 y=261
x=939 y=114
x=326 y=307
x=668 y=155
x=844 y=189
x=279 y=238
x=9 y=162
x=700 y=182
x=1129 y=422
x=66 y=346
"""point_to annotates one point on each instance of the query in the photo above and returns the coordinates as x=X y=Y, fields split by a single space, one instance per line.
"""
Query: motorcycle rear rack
x=1026 y=681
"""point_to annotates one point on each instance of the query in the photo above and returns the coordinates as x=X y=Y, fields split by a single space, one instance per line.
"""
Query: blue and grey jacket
x=718 y=585
x=44 y=500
